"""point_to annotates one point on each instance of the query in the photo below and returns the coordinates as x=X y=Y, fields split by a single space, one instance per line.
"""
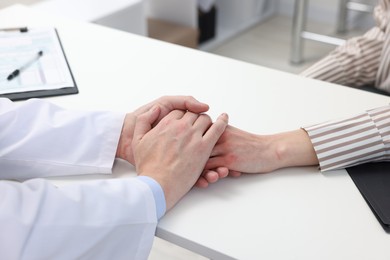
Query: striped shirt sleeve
x=356 y=62
x=352 y=141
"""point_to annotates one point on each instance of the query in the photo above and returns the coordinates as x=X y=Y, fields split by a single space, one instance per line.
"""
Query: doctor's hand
x=175 y=151
x=166 y=104
x=241 y=152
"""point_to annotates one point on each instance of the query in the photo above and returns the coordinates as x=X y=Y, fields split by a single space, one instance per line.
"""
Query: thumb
x=144 y=123
x=195 y=106
x=216 y=130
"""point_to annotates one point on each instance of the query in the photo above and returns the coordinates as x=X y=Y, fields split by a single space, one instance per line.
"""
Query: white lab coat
x=103 y=219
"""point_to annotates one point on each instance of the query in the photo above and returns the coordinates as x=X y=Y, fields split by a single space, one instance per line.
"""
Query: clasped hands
x=172 y=141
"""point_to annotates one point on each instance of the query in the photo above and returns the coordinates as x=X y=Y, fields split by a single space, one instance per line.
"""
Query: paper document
x=48 y=70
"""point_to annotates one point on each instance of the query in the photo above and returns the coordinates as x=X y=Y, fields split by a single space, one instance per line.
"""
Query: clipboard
x=50 y=75
x=373 y=182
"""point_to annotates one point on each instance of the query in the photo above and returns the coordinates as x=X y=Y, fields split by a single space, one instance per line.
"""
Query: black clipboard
x=55 y=49
x=373 y=182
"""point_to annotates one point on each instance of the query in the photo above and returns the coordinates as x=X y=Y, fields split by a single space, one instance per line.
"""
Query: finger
x=201 y=183
x=210 y=176
x=215 y=162
x=214 y=175
x=187 y=103
x=144 y=122
x=216 y=130
x=184 y=103
x=235 y=174
x=175 y=114
x=190 y=117
x=222 y=172
x=203 y=123
x=217 y=150
x=195 y=106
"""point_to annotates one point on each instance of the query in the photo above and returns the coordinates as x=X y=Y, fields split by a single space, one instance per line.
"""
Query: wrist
x=124 y=149
x=158 y=194
x=169 y=194
x=294 y=148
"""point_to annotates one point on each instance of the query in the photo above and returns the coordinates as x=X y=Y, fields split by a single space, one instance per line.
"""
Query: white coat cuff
x=158 y=194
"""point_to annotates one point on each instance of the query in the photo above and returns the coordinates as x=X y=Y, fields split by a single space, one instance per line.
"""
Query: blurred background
x=255 y=31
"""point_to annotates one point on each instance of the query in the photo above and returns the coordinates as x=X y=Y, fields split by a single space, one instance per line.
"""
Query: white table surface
x=295 y=213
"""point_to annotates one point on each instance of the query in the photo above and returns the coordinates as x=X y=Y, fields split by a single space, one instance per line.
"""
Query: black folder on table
x=373 y=182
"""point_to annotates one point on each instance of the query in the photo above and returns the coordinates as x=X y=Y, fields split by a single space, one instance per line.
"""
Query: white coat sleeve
x=105 y=219
x=39 y=139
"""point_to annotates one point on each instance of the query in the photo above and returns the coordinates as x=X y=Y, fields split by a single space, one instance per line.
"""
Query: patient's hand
x=243 y=152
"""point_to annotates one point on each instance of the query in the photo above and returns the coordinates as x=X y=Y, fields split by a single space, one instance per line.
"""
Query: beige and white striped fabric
x=363 y=60
x=356 y=140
